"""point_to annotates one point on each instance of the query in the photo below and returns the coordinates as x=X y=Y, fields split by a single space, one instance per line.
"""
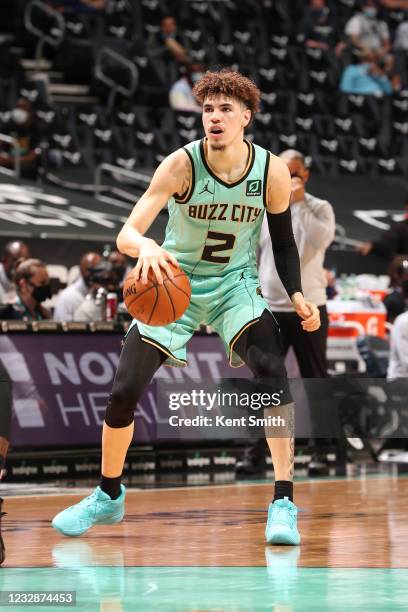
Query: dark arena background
x=94 y=94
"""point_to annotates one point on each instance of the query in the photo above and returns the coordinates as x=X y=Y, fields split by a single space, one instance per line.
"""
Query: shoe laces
x=84 y=503
x=285 y=512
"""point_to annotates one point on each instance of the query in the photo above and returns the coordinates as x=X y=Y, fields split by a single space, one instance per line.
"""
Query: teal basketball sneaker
x=96 y=509
x=281 y=527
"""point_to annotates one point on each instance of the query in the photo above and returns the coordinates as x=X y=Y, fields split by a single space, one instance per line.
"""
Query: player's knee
x=121 y=406
x=266 y=365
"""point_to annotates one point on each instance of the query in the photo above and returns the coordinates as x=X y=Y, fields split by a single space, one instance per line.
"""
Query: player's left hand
x=308 y=312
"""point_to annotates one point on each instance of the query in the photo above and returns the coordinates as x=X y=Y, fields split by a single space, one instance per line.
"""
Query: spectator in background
x=367 y=78
x=70 y=298
x=392 y=242
x=370 y=36
x=401 y=50
x=319 y=26
x=166 y=43
x=401 y=36
x=104 y=279
x=13 y=251
x=22 y=128
x=397 y=301
x=398 y=364
x=119 y=265
x=181 y=95
x=33 y=288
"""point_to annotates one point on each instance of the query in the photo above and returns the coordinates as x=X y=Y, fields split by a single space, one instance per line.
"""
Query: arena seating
x=301 y=102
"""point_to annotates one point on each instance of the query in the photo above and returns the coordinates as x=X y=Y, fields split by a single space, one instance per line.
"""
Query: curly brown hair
x=229 y=83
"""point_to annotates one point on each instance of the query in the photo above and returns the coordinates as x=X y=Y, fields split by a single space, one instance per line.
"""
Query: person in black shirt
x=392 y=242
x=319 y=26
x=33 y=288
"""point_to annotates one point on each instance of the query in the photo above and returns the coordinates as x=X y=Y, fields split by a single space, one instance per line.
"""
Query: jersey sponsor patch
x=253 y=188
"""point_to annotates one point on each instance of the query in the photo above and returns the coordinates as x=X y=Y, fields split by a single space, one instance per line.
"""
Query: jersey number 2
x=227 y=242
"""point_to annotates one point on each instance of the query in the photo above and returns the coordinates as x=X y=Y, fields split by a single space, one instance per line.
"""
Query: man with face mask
x=181 y=92
x=369 y=35
x=119 y=265
x=70 y=298
x=33 y=288
x=104 y=279
x=22 y=128
x=13 y=251
x=319 y=26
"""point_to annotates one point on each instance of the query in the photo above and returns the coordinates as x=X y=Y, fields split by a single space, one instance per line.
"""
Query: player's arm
x=171 y=177
x=284 y=246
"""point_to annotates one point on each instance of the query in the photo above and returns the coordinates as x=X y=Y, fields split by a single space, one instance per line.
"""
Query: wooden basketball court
x=203 y=549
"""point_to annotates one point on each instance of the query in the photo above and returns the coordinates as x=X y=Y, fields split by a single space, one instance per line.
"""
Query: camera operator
x=104 y=280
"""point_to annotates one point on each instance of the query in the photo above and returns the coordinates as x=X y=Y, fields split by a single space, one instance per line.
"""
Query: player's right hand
x=151 y=255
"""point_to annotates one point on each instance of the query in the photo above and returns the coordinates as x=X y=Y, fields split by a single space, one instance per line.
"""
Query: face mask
x=19 y=115
x=41 y=293
x=196 y=76
x=120 y=271
x=87 y=280
x=370 y=11
x=404 y=287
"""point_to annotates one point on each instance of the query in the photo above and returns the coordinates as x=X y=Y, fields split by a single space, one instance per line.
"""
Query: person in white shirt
x=13 y=252
x=401 y=36
x=313 y=224
x=181 y=92
x=398 y=364
x=72 y=296
x=369 y=35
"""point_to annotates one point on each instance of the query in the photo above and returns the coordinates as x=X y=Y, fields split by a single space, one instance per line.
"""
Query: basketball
x=155 y=304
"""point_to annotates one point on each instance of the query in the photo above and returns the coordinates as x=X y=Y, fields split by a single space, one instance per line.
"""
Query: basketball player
x=217 y=191
x=5 y=420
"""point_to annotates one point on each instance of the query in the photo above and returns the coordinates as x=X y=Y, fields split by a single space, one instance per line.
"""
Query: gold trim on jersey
x=211 y=171
x=163 y=350
x=234 y=340
x=184 y=197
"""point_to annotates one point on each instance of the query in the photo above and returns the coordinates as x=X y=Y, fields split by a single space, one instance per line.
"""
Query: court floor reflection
x=279 y=586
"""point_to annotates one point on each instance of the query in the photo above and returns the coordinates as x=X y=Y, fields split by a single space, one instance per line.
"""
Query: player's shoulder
x=180 y=156
x=178 y=162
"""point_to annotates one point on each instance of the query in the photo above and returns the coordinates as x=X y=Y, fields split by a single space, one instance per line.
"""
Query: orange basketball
x=155 y=304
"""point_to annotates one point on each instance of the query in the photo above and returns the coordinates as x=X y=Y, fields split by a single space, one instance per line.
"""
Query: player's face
x=224 y=120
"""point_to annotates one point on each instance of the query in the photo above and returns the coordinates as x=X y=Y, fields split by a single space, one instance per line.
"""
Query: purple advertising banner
x=61 y=384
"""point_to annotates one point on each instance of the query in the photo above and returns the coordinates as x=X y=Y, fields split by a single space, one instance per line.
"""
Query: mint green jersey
x=213 y=228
